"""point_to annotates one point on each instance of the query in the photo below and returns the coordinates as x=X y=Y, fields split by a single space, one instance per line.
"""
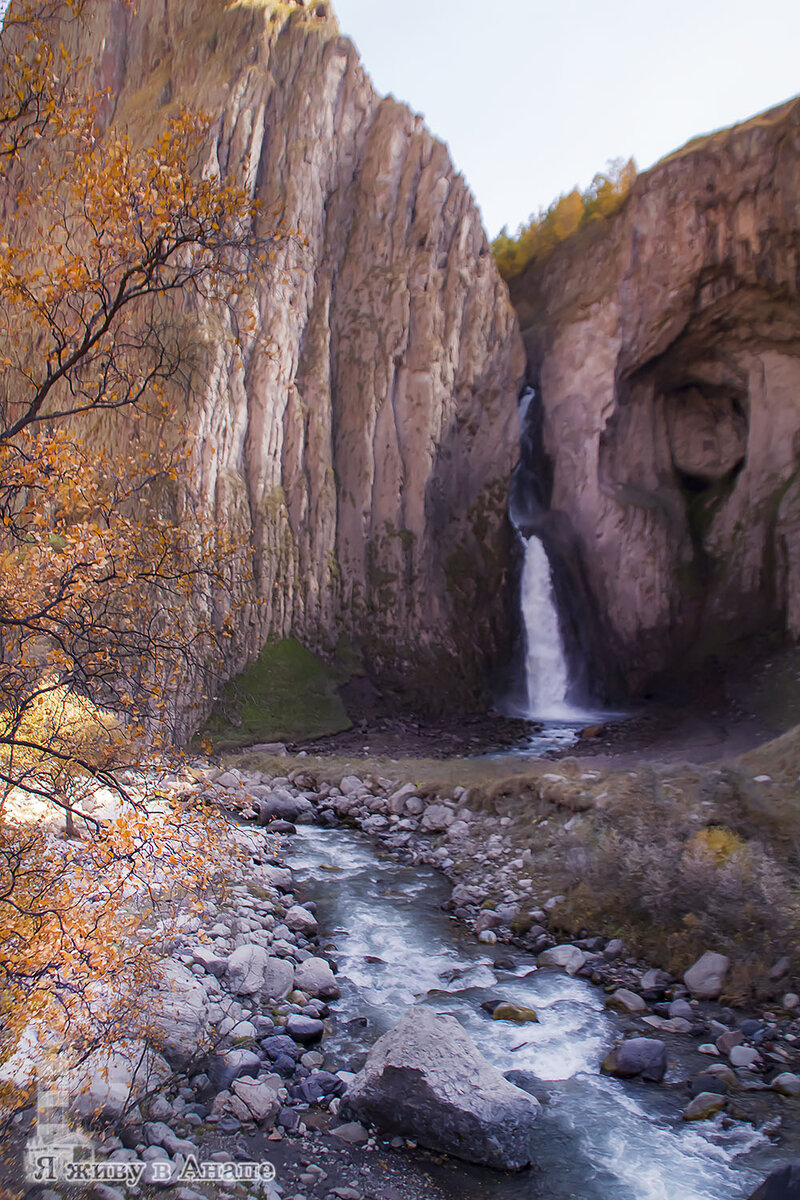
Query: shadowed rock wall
x=665 y=345
x=363 y=437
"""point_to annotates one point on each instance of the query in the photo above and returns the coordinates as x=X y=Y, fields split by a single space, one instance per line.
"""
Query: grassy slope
x=287 y=694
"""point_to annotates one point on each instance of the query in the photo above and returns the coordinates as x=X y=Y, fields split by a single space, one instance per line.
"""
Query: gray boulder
x=282 y=805
x=783 y=1184
x=300 y=920
x=645 y=1057
x=253 y=970
x=704 y=979
x=224 y=1068
x=427 y=1079
x=571 y=958
x=315 y=978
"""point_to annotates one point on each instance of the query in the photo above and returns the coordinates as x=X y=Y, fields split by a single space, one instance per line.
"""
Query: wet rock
x=300 y=920
x=315 y=977
x=281 y=805
x=783 y=1184
x=426 y=1079
x=642 y=1057
x=304 y=1029
x=705 y=978
x=518 y=1013
x=571 y=958
x=708 y=1083
x=706 y=1105
x=787 y=1084
x=624 y=1000
x=223 y=1069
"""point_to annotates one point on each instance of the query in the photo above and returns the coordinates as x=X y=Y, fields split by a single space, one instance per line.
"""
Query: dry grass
x=674 y=859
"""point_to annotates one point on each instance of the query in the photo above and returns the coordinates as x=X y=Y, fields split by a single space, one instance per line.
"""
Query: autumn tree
x=107 y=565
x=564 y=217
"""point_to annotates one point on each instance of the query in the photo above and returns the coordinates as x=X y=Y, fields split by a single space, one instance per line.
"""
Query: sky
x=534 y=97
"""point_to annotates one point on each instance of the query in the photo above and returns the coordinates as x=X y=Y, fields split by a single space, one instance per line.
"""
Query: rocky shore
x=240 y=1073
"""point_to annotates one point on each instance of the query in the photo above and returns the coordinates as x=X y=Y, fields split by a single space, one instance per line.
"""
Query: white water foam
x=545 y=661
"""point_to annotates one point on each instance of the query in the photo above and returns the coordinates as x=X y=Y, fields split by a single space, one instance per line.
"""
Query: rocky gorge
x=354 y=416
x=490 y=971
x=662 y=343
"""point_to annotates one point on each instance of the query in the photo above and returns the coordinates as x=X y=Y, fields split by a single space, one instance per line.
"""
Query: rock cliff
x=364 y=436
x=665 y=348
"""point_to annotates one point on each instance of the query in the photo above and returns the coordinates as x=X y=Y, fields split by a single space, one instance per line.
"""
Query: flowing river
x=600 y=1139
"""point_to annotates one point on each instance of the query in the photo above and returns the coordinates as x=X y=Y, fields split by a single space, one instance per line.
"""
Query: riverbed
x=383 y=925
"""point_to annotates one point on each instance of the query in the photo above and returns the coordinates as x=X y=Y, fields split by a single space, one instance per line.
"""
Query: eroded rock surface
x=362 y=436
x=665 y=345
x=426 y=1078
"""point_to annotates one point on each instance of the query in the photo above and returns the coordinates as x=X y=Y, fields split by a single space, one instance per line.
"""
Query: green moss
x=287 y=694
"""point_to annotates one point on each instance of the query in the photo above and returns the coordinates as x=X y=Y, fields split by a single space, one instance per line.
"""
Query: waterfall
x=546 y=672
x=545 y=661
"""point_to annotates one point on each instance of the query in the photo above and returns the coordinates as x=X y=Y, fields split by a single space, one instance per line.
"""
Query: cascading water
x=600 y=1139
x=546 y=670
x=545 y=661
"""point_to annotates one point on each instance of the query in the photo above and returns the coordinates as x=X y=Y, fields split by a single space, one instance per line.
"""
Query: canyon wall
x=665 y=348
x=363 y=435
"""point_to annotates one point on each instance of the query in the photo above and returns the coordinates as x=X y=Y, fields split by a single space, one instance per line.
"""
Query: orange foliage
x=563 y=218
x=103 y=584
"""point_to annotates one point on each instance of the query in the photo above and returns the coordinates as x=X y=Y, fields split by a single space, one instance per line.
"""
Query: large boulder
x=178 y=1012
x=105 y=1085
x=427 y=1079
x=783 y=1184
x=279 y=804
x=704 y=979
x=253 y=970
x=642 y=1057
x=315 y=978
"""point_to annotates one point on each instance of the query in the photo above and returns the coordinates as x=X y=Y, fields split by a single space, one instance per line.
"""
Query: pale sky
x=535 y=96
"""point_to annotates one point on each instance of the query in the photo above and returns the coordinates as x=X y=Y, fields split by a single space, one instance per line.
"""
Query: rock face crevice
x=665 y=345
x=361 y=438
